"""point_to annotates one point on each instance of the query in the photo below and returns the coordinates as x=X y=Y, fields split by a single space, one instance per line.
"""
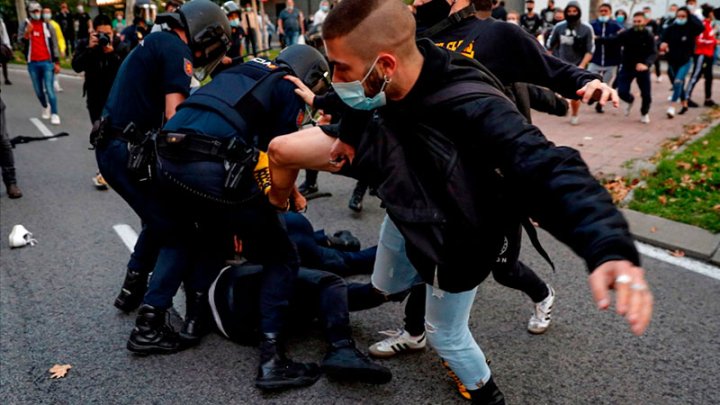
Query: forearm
x=585 y=60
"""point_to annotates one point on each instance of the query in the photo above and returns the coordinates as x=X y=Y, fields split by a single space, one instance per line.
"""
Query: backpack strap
x=448 y=22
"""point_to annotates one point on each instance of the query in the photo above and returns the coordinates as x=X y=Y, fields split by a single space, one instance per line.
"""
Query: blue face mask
x=235 y=22
x=620 y=19
x=35 y=16
x=353 y=93
x=603 y=18
x=324 y=8
x=680 y=21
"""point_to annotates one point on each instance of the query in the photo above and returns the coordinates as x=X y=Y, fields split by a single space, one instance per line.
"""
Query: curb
x=695 y=242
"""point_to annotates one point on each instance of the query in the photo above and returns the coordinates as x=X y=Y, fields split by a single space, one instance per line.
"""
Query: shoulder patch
x=300 y=119
x=264 y=62
x=188 y=67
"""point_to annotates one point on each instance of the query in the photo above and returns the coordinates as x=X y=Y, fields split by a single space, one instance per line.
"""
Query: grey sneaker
x=540 y=319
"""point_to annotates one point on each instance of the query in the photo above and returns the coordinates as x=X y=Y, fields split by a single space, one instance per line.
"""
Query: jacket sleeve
x=548 y=71
x=696 y=24
x=652 y=51
x=590 y=41
x=81 y=57
x=55 y=51
x=4 y=34
x=545 y=100
x=553 y=185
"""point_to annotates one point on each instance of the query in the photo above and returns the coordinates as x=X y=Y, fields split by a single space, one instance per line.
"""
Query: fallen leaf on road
x=677 y=253
x=59 y=371
x=653 y=229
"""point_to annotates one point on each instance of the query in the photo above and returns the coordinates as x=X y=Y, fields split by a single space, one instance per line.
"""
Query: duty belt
x=195 y=147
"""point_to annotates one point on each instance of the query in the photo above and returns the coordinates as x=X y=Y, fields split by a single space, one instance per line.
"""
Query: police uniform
x=160 y=65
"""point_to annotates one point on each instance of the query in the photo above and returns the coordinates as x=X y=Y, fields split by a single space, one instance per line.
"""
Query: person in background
x=513 y=17
x=47 y=17
x=638 y=56
x=235 y=52
x=704 y=54
x=678 y=44
x=84 y=22
x=5 y=42
x=606 y=57
x=622 y=18
x=290 y=23
x=66 y=21
x=654 y=27
x=249 y=23
x=531 y=21
x=322 y=12
x=43 y=57
x=118 y=24
x=132 y=35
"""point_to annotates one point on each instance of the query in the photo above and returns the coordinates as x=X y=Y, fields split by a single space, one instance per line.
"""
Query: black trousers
x=7 y=160
x=625 y=78
x=703 y=67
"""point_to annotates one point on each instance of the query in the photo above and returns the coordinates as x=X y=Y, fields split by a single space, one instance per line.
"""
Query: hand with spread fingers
x=599 y=92
x=302 y=90
x=633 y=298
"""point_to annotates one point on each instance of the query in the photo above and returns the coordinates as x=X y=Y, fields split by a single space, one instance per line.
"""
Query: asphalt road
x=56 y=308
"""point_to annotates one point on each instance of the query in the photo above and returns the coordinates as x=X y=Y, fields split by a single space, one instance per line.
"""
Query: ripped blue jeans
x=446 y=314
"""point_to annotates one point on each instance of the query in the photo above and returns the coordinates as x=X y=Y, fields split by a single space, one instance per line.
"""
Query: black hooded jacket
x=453 y=211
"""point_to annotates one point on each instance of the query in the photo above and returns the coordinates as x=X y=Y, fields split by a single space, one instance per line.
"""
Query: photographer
x=99 y=57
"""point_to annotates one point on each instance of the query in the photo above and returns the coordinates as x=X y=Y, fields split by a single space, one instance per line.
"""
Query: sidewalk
x=607 y=141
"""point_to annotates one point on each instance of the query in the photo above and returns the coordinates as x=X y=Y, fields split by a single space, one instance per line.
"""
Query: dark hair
x=101 y=19
x=621 y=11
x=706 y=10
x=606 y=5
x=683 y=8
x=483 y=5
x=347 y=15
x=638 y=13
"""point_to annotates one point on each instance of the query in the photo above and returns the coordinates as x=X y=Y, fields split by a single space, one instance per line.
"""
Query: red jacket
x=705 y=42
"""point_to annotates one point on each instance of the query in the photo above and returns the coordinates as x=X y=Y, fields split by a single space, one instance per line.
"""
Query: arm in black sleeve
x=696 y=25
x=652 y=51
x=547 y=70
x=82 y=57
x=330 y=103
x=553 y=183
x=545 y=100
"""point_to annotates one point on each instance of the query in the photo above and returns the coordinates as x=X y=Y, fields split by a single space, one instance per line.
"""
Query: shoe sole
x=538 y=331
x=144 y=350
x=281 y=385
x=125 y=307
x=671 y=116
x=353 y=374
x=381 y=355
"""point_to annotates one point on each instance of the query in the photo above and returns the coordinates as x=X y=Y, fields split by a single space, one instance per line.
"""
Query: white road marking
x=42 y=128
x=684 y=262
x=127 y=234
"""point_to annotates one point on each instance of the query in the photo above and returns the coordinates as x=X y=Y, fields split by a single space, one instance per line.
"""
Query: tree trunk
x=594 y=4
x=21 y=11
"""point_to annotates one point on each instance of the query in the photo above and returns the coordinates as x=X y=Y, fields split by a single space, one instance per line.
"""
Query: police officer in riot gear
x=152 y=81
x=211 y=159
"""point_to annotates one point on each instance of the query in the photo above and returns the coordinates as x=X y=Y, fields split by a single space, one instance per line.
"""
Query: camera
x=103 y=39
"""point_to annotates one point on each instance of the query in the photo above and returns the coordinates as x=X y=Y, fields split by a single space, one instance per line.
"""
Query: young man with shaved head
x=445 y=212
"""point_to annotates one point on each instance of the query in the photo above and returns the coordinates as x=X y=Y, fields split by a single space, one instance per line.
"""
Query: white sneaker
x=55 y=119
x=574 y=120
x=398 y=341
x=659 y=79
x=626 y=108
x=57 y=87
x=645 y=119
x=671 y=112
x=670 y=97
x=46 y=113
x=540 y=319
x=19 y=237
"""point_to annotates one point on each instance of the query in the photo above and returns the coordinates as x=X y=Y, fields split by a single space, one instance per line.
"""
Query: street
x=56 y=308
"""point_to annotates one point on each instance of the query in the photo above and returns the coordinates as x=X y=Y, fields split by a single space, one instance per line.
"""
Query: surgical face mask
x=680 y=21
x=249 y=9
x=35 y=16
x=289 y=8
x=620 y=19
x=512 y=21
x=235 y=22
x=432 y=12
x=47 y=17
x=80 y=9
x=353 y=93
x=603 y=18
x=648 y=16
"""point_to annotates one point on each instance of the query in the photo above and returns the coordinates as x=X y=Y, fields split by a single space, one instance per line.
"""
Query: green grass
x=686 y=186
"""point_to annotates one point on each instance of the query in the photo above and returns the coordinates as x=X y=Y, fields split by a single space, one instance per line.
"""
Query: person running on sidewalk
x=572 y=41
x=678 y=42
x=43 y=57
x=606 y=57
x=637 y=58
x=704 y=57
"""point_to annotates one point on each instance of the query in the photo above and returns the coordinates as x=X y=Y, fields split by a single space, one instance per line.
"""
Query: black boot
x=344 y=361
x=153 y=334
x=133 y=291
x=278 y=372
x=344 y=241
x=356 y=199
x=197 y=318
x=489 y=394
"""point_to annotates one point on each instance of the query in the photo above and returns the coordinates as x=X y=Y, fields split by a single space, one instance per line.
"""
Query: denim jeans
x=678 y=74
x=291 y=37
x=446 y=314
x=42 y=76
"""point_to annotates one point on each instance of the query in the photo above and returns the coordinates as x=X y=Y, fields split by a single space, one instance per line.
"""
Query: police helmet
x=208 y=32
x=234 y=302
x=308 y=64
x=231 y=7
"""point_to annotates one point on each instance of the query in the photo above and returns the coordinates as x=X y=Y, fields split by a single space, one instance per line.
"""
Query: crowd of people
x=211 y=170
x=625 y=48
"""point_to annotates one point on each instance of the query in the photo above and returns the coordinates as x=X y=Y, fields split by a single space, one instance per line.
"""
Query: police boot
x=278 y=372
x=344 y=361
x=153 y=333
x=197 y=318
x=489 y=394
x=133 y=291
x=356 y=200
x=345 y=241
